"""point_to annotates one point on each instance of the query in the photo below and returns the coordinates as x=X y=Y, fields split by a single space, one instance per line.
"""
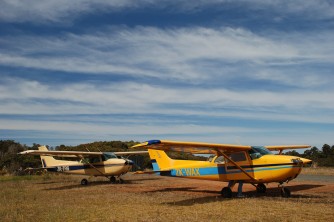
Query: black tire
x=84 y=182
x=113 y=180
x=285 y=192
x=261 y=188
x=226 y=192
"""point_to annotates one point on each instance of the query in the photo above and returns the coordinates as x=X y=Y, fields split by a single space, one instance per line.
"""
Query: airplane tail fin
x=160 y=160
x=47 y=161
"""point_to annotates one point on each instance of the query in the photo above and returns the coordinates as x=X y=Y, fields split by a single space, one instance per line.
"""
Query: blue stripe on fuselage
x=198 y=171
x=219 y=170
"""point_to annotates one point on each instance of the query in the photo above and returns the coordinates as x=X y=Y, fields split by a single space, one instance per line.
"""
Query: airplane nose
x=306 y=161
x=301 y=161
x=128 y=162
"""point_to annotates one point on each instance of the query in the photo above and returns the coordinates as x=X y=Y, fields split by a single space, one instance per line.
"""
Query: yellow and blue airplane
x=256 y=165
x=107 y=164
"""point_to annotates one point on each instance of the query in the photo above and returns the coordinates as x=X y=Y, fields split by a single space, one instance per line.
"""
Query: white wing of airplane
x=76 y=153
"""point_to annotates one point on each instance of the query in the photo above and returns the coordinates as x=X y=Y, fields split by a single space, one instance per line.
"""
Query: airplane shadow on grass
x=271 y=193
x=95 y=183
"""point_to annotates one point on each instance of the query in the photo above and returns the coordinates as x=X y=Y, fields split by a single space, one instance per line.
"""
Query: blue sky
x=243 y=72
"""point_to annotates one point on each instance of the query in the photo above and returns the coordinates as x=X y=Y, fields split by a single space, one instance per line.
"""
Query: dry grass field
x=155 y=198
x=319 y=171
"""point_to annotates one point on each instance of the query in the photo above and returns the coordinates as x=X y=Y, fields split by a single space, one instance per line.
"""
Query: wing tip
x=147 y=143
x=152 y=142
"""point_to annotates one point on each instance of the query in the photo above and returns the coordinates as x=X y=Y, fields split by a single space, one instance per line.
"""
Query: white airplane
x=108 y=164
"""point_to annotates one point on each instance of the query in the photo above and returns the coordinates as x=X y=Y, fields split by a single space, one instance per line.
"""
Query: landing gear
x=84 y=182
x=226 y=192
x=285 y=192
x=115 y=180
x=121 y=181
x=261 y=188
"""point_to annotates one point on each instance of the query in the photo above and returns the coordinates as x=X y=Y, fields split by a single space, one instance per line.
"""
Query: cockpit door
x=243 y=160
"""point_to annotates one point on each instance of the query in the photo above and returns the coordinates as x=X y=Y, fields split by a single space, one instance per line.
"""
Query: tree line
x=320 y=157
x=12 y=163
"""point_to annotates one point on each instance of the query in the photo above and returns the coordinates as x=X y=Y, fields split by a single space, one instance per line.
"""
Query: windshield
x=210 y=158
x=107 y=156
x=258 y=151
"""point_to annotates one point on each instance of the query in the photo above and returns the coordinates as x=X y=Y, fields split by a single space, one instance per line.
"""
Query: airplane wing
x=76 y=153
x=287 y=147
x=61 y=153
x=191 y=147
x=130 y=152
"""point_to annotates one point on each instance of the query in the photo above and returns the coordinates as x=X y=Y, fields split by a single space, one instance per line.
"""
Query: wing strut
x=235 y=164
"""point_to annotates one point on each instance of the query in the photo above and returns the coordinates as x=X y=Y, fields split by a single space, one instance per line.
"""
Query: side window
x=238 y=157
x=220 y=160
x=94 y=159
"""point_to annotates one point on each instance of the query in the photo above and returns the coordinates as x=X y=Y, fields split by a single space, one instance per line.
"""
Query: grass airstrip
x=155 y=198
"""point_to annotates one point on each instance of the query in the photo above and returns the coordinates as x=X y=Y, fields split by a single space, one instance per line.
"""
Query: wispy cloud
x=62 y=11
x=194 y=54
x=31 y=97
x=56 y=10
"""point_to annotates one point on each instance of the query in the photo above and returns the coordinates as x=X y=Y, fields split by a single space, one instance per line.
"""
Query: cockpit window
x=258 y=151
x=220 y=160
x=238 y=157
x=107 y=156
x=210 y=158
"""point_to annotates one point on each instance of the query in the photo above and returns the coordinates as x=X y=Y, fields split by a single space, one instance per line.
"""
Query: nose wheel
x=115 y=180
x=285 y=192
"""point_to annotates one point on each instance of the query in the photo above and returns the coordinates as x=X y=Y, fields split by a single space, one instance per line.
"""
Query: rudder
x=47 y=161
x=160 y=160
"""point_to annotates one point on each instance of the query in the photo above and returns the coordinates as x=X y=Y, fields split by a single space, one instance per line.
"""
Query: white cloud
x=62 y=11
x=55 y=10
x=30 y=97
x=186 y=54
x=70 y=133
x=115 y=129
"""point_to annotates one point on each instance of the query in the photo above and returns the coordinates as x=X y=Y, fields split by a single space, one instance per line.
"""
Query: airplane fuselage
x=111 y=167
x=268 y=168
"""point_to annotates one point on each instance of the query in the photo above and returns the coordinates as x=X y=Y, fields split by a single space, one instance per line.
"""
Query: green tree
x=11 y=161
x=314 y=152
x=326 y=150
x=292 y=153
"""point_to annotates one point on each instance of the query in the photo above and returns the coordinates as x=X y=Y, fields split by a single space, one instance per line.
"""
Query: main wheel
x=261 y=188
x=285 y=192
x=112 y=180
x=84 y=182
x=226 y=192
